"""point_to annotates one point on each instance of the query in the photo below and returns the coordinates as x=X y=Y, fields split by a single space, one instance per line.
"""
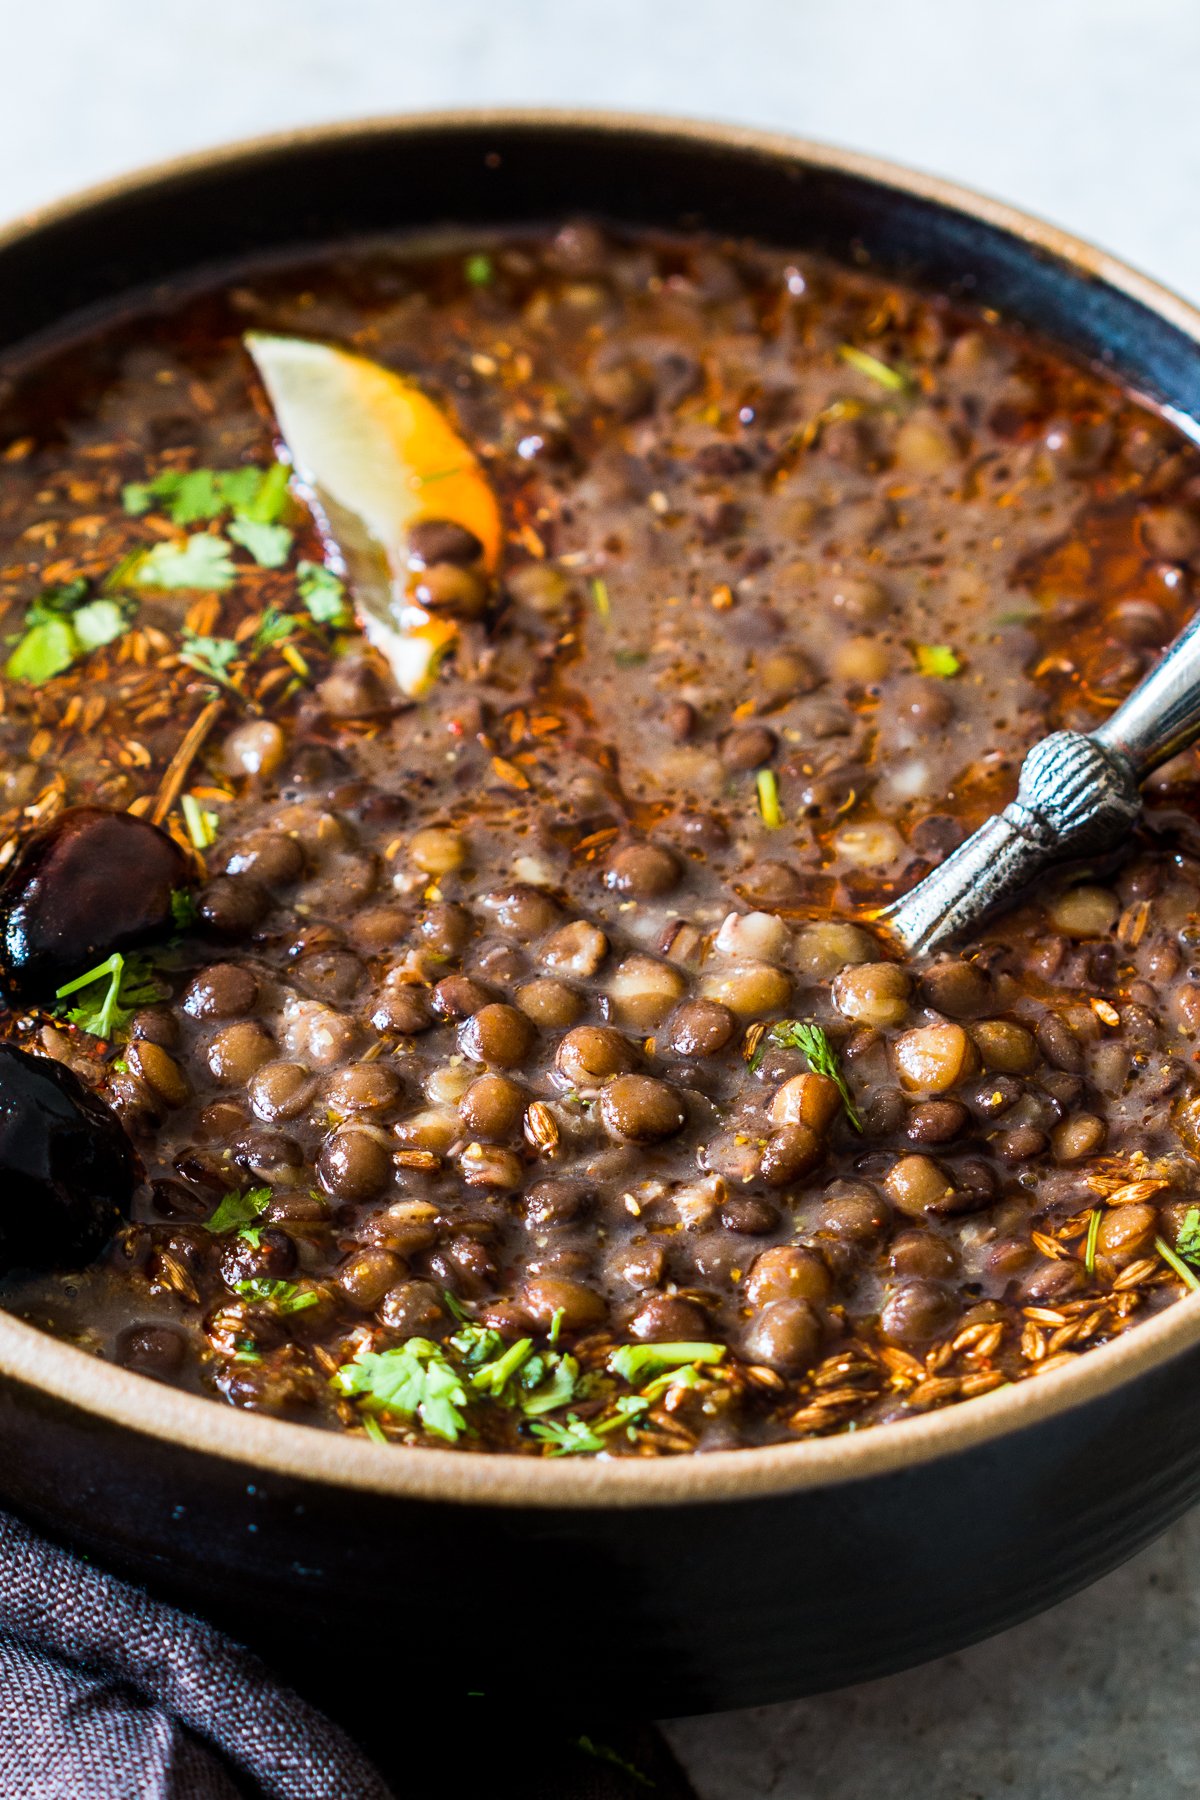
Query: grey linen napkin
x=107 y=1694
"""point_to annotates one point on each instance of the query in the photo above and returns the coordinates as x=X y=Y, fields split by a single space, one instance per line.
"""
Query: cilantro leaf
x=185 y=496
x=184 y=910
x=237 y=1210
x=201 y=561
x=44 y=651
x=202 y=825
x=264 y=503
x=62 y=625
x=112 y=993
x=1188 y=1241
x=822 y=1058
x=98 y=623
x=568 y=1437
x=936 y=659
x=273 y=628
x=417 y=1380
x=322 y=593
x=546 y=1382
x=268 y=544
x=634 y=1362
x=479 y=270
x=283 y=1296
x=211 y=656
x=493 y=1376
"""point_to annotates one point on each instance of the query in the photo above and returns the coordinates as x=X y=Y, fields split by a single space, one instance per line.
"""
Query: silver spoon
x=1078 y=793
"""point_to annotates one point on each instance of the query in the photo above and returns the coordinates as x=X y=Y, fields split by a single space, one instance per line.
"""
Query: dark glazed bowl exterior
x=652 y=1586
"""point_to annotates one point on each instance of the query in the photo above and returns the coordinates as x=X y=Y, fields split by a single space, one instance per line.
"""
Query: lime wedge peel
x=376 y=455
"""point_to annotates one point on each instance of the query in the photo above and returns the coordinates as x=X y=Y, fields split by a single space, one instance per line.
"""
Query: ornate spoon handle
x=1078 y=793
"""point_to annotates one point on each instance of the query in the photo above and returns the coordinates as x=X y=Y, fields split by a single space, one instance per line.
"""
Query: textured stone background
x=1083 y=110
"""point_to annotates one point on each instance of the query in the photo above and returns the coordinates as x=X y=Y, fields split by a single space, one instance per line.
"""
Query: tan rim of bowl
x=265 y=1445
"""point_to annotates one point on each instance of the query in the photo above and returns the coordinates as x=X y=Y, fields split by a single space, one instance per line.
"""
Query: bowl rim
x=72 y=1378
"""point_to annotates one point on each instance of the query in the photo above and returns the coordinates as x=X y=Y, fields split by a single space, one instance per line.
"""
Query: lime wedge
x=375 y=455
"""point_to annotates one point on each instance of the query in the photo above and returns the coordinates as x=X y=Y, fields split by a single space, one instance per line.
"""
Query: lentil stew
x=514 y=1065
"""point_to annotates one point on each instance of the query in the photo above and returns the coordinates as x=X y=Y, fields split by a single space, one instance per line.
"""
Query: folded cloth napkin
x=106 y=1694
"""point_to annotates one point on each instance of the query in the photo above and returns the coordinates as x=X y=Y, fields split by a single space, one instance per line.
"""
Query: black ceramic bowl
x=657 y=1586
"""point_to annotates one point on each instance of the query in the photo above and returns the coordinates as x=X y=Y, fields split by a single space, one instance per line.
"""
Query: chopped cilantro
x=98 y=623
x=322 y=593
x=936 y=659
x=211 y=656
x=479 y=270
x=273 y=628
x=237 y=1210
x=201 y=561
x=600 y=598
x=44 y=651
x=62 y=625
x=201 y=824
x=768 y=798
x=556 y=1319
x=184 y=910
x=633 y=1362
x=1188 y=1241
x=1186 y=1275
x=127 y=982
x=568 y=1437
x=262 y=500
x=869 y=365
x=493 y=1376
x=1093 y=1235
x=268 y=544
x=284 y=1296
x=547 y=1381
x=417 y=1380
x=374 y=1429
x=188 y=496
x=814 y=1044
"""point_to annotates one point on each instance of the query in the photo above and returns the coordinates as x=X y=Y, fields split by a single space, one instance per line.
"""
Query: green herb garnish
x=322 y=593
x=191 y=495
x=269 y=545
x=634 y=1362
x=479 y=270
x=1186 y=1275
x=184 y=910
x=1093 y=1233
x=62 y=625
x=568 y=1437
x=1188 y=1241
x=122 y=984
x=936 y=659
x=273 y=628
x=417 y=1381
x=237 y=1210
x=201 y=824
x=374 y=1429
x=284 y=1296
x=210 y=656
x=768 y=798
x=201 y=561
x=869 y=365
x=600 y=599
x=822 y=1058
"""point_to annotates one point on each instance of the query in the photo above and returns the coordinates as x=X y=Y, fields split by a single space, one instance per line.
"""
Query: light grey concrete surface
x=1093 y=1701
x=1082 y=110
